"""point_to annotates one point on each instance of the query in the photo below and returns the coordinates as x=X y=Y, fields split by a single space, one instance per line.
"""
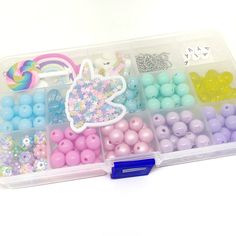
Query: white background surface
x=192 y=199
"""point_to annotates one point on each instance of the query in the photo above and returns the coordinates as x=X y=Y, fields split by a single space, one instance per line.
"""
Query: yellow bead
x=227 y=77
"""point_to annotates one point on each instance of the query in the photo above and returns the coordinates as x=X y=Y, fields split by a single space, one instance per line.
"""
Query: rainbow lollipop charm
x=89 y=99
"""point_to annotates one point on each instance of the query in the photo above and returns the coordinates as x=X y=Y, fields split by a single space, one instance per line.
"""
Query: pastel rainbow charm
x=89 y=100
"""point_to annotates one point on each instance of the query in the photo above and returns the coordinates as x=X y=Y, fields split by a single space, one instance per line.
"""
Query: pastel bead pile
x=178 y=131
x=214 y=86
x=131 y=97
x=163 y=92
x=26 y=113
x=24 y=154
x=223 y=123
x=73 y=149
x=126 y=137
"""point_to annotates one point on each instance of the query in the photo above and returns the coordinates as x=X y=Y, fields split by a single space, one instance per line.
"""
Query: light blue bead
x=25 y=111
x=131 y=94
x=6 y=126
x=120 y=99
x=131 y=105
x=167 y=103
x=39 y=96
x=25 y=124
x=132 y=83
x=162 y=78
x=16 y=109
x=7 y=113
x=179 y=78
x=39 y=109
x=7 y=101
x=39 y=122
x=26 y=99
x=15 y=122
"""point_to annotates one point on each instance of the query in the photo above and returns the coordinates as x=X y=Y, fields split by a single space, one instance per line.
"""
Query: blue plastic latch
x=125 y=169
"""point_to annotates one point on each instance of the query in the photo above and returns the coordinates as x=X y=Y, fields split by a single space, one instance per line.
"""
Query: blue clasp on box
x=125 y=169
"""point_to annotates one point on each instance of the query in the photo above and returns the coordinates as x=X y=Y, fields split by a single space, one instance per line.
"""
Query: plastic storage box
x=181 y=88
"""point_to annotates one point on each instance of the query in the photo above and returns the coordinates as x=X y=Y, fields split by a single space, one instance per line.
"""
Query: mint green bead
x=151 y=91
x=162 y=78
x=179 y=77
x=153 y=104
x=131 y=105
x=120 y=99
x=176 y=99
x=187 y=100
x=182 y=89
x=157 y=86
x=147 y=79
x=167 y=103
x=167 y=90
x=130 y=94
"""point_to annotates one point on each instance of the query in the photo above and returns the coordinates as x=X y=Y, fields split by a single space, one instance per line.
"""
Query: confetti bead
x=87 y=156
x=162 y=78
x=153 y=104
x=25 y=99
x=56 y=135
x=179 y=78
x=132 y=83
x=7 y=113
x=147 y=79
x=131 y=105
x=151 y=91
x=131 y=94
x=7 y=101
x=120 y=99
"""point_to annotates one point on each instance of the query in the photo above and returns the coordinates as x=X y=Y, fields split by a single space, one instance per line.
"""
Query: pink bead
x=107 y=129
x=146 y=135
x=141 y=147
x=56 y=135
x=136 y=123
x=70 y=134
x=131 y=137
x=57 y=159
x=89 y=131
x=108 y=144
x=72 y=158
x=116 y=136
x=80 y=143
x=122 y=150
x=97 y=152
x=65 y=145
x=110 y=154
x=122 y=125
x=87 y=156
x=151 y=149
x=93 y=141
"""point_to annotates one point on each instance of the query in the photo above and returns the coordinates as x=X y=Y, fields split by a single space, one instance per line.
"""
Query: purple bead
x=221 y=119
x=158 y=120
x=174 y=140
x=172 y=117
x=166 y=146
x=227 y=110
x=226 y=132
x=162 y=132
x=233 y=137
x=179 y=129
x=191 y=136
x=219 y=138
x=202 y=141
x=184 y=144
x=214 y=125
x=186 y=116
x=209 y=112
x=230 y=122
x=196 y=126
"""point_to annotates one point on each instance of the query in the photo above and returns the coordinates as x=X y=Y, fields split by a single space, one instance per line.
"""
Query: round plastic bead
x=162 y=132
x=131 y=105
x=16 y=109
x=227 y=110
x=184 y=144
x=158 y=120
x=230 y=122
x=186 y=116
x=70 y=134
x=172 y=117
x=93 y=141
x=226 y=132
x=182 y=89
x=56 y=135
x=167 y=103
x=107 y=129
x=162 y=78
x=39 y=122
x=116 y=136
x=25 y=99
x=80 y=143
x=202 y=141
x=173 y=139
x=120 y=99
x=176 y=99
x=141 y=147
x=209 y=112
x=167 y=90
x=87 y=156
x=7 y=113
x=221 y=119
x=110 y=154
x=131 y=94
x=179 y=78
x=122 y=149
x=39 y=109
x=191 y=136
x=72 y=158
x=122 y=125
x=153 y=104
x=132 y=83
x=196 y=126
x=131 y=137
x=233 y=136
x=7 y=101
x=65 y=145
x=166 y=146
x=215 y=125
x=108 y=144
x=151 y=91
x=187 y=100
x=25 y=124
x=146 y=135
x=147 y=79
x=25 y=111
x=136 y=123
x=179 y=129
x=219 y=138
x=57 y=159
x=39 y=97
x=6 y=126
x=15 y=122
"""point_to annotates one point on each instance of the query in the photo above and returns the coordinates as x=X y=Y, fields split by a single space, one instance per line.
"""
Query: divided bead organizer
x=118 y=108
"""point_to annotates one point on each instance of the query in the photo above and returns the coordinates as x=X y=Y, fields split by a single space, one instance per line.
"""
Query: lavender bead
x=196 y=126
x=191 y=136
x=186 y=116
x=233 y=137
x=202 y=141
x=214 y=125
x=209 y=112
x=219 y=138
x=221 y=119
x=174 y=140
x=166 y=146
x=226 y=132
x=158 y=120
x=228 y=110
x=184 y=144
x=172 y=117
x=179 y=129
x=162 y=132
x=230 y=122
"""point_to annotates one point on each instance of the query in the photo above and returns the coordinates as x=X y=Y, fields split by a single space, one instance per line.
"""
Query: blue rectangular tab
x=126 y=169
